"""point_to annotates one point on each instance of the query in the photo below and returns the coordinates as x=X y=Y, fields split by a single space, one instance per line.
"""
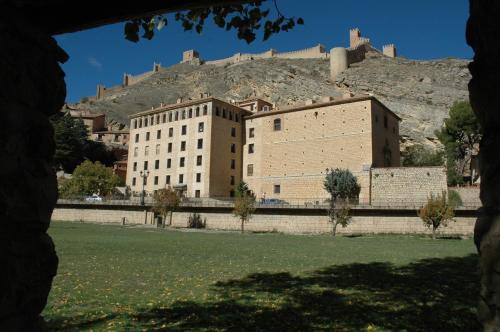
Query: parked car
x=93 y=198
x=273 y=201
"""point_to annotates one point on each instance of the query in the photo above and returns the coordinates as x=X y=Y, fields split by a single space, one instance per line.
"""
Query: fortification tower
x=389 y=50
x=338 y=61
x=354 y=37
x=189 y=55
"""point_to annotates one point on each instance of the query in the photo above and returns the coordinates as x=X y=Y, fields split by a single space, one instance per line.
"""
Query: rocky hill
x=420 y=92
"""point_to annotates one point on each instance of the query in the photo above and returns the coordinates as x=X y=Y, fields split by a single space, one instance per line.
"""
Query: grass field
x=122 y=278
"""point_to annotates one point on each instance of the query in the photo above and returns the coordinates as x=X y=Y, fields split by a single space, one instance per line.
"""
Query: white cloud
x=94 y=63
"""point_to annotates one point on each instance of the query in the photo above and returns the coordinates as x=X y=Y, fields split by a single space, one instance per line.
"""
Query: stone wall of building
x=406 y=186
x=91 y=213
x=469 y=195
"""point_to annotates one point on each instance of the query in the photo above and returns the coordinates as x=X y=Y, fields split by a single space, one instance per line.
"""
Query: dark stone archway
x=483 y=35
x=33 y=88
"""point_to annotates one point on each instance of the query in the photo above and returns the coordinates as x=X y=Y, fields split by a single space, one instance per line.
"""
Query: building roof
x=112 y=132
x=250 y=100
x=322 y=104
x=184 y=104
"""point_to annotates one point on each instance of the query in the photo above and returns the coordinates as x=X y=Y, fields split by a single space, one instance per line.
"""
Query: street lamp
x=144 y=175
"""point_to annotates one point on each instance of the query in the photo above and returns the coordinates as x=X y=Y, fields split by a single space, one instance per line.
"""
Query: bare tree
x=166 y=201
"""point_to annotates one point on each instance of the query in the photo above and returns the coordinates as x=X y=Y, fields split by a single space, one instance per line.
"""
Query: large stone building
x=205 y=147
x=193 y=146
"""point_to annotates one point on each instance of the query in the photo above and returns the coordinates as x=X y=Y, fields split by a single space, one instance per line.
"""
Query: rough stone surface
x=426 y=89
x=32 y=88
x=483 y=35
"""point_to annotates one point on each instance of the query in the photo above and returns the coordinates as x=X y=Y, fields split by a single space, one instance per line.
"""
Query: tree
x=90 y=178
x=166 y=201
x=438 y=211
x=244 y=206
x=70 y=137
x=246 y=19
x=419 y=155
x=340 y=183
x=460 y=136
x=242 y=189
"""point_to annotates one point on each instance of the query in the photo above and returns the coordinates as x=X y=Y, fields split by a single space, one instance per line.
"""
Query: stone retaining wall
x=285 y=220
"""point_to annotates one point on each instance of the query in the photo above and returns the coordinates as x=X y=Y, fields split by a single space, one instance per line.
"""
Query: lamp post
x=144 y=175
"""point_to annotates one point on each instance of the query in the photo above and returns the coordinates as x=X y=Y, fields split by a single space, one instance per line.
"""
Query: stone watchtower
x=389 y=50
x=190 y=55
x=354 y=37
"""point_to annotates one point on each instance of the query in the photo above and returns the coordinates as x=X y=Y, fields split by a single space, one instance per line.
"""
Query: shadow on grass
x=428 y=295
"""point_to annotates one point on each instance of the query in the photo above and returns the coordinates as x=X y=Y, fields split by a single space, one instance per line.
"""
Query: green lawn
x=123 y=278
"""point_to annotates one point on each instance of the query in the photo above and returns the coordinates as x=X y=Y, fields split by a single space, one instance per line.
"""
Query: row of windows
x=182 y=161
x=175 y=115
x=201 y=128
x=181 y=180
x=172 y=116
x=199 y=145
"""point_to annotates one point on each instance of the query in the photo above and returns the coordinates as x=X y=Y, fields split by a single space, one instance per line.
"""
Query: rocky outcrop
x=421 y=92
x=32 y=88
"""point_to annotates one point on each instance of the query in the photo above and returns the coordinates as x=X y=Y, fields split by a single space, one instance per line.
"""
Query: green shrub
x=437 y=212
x=454 y=198
x=194 y=221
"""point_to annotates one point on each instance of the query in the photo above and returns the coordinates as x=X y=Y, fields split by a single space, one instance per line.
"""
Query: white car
x=93 y=198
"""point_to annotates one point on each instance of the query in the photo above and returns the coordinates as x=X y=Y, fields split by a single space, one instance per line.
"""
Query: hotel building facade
x=205 y=147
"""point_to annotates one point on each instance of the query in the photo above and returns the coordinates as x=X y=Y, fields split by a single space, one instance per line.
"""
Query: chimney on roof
x=179 y=100
x=202 y=95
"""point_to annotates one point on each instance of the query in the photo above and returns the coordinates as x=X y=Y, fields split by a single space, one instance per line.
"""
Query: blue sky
x=423 y=29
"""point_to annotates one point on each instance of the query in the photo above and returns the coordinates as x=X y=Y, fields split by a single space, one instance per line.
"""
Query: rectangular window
x=135 y=166
x=145 y=122
x=197 y=112
x=169 y=163
x=250 y=148
x=157 y=164
x=157 y=148
x=217 y=112
x=233 y=148
x=133 y=181
x=181 y=162
x=183 y=115
x=200 y=143
x=169 y=147
x=146 y=150
x=135 y=124
x=233 y=132
x=233 y=164
x=170 y=132
x=176 y=115
x=183 y=146
x=145 y=165
x=170 y=117
x=236 y=117
x=167 y=180
x=197 y=194
x=156 y=180
x=205 y=110
x=181 y=178
x=230 y=115
x=250 y=170
x=158 y=119
x=251 y=132
x=147 y=136
x=224 y=113
x=198 y=177
x=184 y=130
x=277 y=188
x=145 y=180
x=158 y=134
x=136 y=138
x=232 y=180
x=164 y=118
x=200 y=127
x=136 y=151
x=198 y=160
x=277 y=124
x=190 y=113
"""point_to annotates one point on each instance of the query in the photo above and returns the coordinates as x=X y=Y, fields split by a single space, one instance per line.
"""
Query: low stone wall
x=406 y=186
x=469 y=195
x=285 y=220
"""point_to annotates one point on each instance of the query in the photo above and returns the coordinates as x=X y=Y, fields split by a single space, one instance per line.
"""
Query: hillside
x=420 y=92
